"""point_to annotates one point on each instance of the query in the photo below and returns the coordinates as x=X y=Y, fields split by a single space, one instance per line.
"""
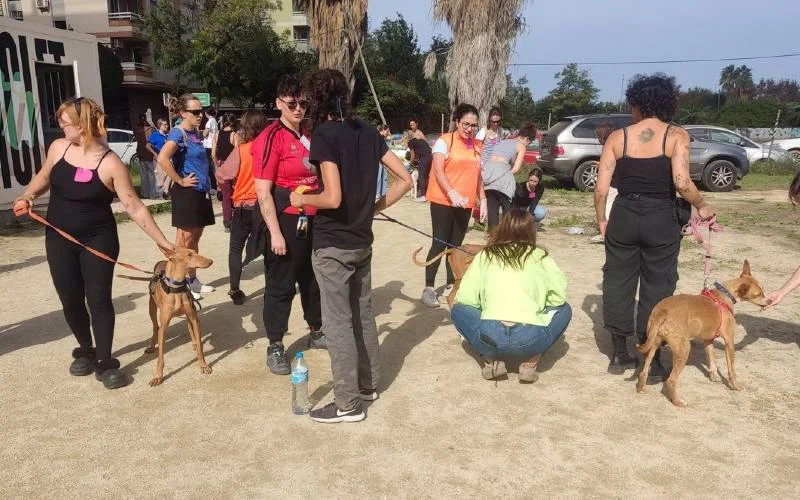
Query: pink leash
x=694 y=228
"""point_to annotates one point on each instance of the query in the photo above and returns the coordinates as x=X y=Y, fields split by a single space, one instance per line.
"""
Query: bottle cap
x=299 y=354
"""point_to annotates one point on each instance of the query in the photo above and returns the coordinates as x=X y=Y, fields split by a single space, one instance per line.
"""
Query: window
x=56 y=84
x=726 y=137
x=700 y=134
x=296 y=6
x=15 y=10
x=586 y=128
x=60 y=24
x=117 y=136
x=301 y=32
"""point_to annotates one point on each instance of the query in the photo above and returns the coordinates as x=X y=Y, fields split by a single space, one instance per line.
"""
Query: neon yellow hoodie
x=507 y=294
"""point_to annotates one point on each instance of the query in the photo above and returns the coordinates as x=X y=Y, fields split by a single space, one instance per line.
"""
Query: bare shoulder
x=113 y=164
x=57 y=148
x=677 y=132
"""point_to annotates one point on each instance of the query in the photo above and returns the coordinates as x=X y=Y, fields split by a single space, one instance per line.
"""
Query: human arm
x=41 y=181
x=483 y=204
x=401 y=181
x=268 y=211
x=774 y=298
x=680 y=173
x=214 y=148
x=165 y=162
x=518 y=159
x=605 y=170
x=331 y=195
x=123 y=186
x=555 y=282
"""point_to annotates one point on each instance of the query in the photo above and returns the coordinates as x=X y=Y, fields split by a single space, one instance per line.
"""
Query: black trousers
x=449 y=224
x=82 y=279
x=495 y=201
x=241 y=227
x=642 y=243
x=424 y=169
x=211 y=169
x=282 y=272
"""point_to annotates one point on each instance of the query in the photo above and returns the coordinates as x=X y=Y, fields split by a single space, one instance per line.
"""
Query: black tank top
x=224 y=146
x=79 y=201
x=650 y=177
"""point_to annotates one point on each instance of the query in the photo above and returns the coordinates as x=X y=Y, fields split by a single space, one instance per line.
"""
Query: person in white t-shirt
x=209 y=133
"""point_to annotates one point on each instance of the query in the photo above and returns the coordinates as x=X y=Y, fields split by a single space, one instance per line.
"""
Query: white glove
x=457 y=199
x=484 y=210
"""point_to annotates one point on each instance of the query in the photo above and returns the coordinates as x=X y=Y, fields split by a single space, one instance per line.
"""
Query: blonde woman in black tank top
x=642 y=234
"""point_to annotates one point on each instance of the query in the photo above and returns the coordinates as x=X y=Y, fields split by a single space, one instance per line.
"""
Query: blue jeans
x=538 y=212
x=383 y=182
x=520 y=340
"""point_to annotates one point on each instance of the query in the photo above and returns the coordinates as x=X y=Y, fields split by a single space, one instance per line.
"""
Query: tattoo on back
x=645 y=135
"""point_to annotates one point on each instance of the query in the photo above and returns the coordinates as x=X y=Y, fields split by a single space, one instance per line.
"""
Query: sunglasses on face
x=495 y=121
x=468 y=126
x=292 y=105
x=195 y=112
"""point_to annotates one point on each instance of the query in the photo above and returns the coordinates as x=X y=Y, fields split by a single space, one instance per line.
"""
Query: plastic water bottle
x=300 y=404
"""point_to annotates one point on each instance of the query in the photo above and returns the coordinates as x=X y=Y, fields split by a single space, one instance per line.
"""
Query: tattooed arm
x=605 y=169
x=680 y=173
x=266 y=204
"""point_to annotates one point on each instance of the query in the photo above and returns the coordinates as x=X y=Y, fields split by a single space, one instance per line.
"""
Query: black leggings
x=449 y=225
x=424 y=169
x=241 y=227
x=81 y=278
x=495 y=201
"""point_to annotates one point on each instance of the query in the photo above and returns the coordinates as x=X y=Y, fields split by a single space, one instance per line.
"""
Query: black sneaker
x=83 y=363
x=368 y=394
x=237 y=296
x=276 y=360
x=109 y=374
x=317 y=340
x=331 y=414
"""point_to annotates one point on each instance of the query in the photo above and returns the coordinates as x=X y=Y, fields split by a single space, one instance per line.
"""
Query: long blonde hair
x=87 y=114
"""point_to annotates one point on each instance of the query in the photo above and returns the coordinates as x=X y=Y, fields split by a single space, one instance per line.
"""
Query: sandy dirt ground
x=438 y=429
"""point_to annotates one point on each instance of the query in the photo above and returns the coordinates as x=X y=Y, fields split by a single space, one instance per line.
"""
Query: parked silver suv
x=570 y=152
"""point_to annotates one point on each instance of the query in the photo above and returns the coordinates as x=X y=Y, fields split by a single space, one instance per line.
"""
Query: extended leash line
x=38 y=218
x=693 y=228
x=434 y=238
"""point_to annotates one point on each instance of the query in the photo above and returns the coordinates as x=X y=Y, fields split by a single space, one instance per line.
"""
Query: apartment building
x=118 y=24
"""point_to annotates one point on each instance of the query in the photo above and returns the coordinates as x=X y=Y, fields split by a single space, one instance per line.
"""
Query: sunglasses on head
x=76 y=103
x=292 y=105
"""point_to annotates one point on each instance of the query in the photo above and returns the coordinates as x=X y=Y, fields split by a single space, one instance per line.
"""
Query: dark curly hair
x=329 y=96
x=794 y=190
x=464 y=109
x=289 y=86
x=528 y=130
x=655 y=96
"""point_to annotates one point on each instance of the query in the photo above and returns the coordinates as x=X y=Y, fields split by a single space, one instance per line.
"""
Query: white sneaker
x=448 y=289
x=420 y=199
x=197 y=286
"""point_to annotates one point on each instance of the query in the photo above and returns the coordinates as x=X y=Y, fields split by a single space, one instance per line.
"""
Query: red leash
x=694 y=228
x=69 y=237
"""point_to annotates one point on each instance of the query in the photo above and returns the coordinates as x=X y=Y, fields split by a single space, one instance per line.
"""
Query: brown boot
x=527 y=370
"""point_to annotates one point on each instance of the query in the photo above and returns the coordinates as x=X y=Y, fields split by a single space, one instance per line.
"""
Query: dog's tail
x=654 y=325
x=428 y=262
x=134 y=278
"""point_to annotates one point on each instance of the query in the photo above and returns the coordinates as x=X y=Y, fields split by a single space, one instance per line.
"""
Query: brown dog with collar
x=459 y=259
x=677 y=319
x=170 y=297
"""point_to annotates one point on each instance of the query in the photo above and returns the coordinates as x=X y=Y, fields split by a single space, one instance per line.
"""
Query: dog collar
x=719 y=286
x=171 y=286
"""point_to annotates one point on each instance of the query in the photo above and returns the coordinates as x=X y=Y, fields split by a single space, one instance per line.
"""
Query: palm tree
x=483 y=36
x=727 y=78
x=337 y=27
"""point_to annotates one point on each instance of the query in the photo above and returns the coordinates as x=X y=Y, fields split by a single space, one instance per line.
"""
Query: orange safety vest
x=244 y=191
x=462 y=168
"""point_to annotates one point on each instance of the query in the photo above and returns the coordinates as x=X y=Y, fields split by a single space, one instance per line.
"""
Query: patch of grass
x=742 y=219
x=571 y=220
x=154 y=209
x=761 y=182
x=769 y=167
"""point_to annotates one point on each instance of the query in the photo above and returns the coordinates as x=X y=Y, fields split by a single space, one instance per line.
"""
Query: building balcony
x=123 y=18
x=136 y=73
x=299 y=18
x=125 y=25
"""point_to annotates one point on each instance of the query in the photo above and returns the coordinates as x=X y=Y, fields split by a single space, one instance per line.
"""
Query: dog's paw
x=205 y=369
x=713 y=376
x=156 y=381
x=737 y=386
x=150 y=350
x=679 y=403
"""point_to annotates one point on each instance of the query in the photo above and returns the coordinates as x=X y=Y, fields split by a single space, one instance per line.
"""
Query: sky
x=563 y=31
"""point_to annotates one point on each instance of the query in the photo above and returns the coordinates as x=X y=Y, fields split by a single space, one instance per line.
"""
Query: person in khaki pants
x=345 y=150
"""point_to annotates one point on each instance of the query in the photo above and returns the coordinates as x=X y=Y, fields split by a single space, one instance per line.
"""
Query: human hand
x=189 y=181
x=278 y=244
x=167 y=248
x=22 y=206
x=457 y=199
x=705 y=212
x=484 y=213
x=296 y=199
x=602 y=225
x=774 y=298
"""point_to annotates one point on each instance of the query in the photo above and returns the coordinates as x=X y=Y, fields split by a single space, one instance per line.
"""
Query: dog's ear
x=746 y=269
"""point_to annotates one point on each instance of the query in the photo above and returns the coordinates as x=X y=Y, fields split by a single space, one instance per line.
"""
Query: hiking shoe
x=429 y=297
x=317 y=340
x=527 y=371
x=276 y=360
x=331 y=414
x=597 y=238
x=368 y=394
x=83 y=362
x=237 y=296
x=493 y=369
x=197 y=286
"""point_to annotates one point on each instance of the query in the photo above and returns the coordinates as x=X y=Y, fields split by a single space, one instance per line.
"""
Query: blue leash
x=434 y=238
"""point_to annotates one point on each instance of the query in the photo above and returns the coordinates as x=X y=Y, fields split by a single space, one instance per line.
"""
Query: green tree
x=574 y=93
x=518 y=106
x=760 y=113
x=399 y=103
x=737 y=81
x=169 y=27
x=394 y=52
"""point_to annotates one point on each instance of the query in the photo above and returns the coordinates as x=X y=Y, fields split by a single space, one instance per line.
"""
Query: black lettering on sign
x=9 y=66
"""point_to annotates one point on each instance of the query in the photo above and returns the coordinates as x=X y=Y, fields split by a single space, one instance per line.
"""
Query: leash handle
x=38 y=218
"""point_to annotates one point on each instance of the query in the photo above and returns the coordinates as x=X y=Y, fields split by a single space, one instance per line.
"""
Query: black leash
x=434 y=238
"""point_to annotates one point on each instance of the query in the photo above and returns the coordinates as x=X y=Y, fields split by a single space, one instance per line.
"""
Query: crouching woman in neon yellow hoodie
x=511 y=303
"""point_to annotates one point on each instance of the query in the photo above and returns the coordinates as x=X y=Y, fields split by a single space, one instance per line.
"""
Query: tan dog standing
x=170 y=298
x=677 y=319
x=459 y=259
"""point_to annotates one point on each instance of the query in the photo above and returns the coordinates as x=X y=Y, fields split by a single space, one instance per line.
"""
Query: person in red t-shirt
x=280 y=166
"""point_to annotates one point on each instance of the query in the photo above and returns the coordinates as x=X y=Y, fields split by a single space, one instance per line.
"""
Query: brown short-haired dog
x=677 y=319
x=459 y=259
x=169 y=298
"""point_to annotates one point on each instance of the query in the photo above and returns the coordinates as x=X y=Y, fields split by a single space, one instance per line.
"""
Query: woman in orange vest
x=456 y=190
x=239 y=166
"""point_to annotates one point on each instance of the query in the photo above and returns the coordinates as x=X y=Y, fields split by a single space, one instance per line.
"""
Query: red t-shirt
x=280 y=156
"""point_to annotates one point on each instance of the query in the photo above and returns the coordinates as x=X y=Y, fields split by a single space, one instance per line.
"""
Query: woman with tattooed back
x=649 y=161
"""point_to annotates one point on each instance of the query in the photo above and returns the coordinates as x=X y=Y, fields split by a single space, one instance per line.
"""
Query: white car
x=755 y=152
x=122 y=142
x=791 y=145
